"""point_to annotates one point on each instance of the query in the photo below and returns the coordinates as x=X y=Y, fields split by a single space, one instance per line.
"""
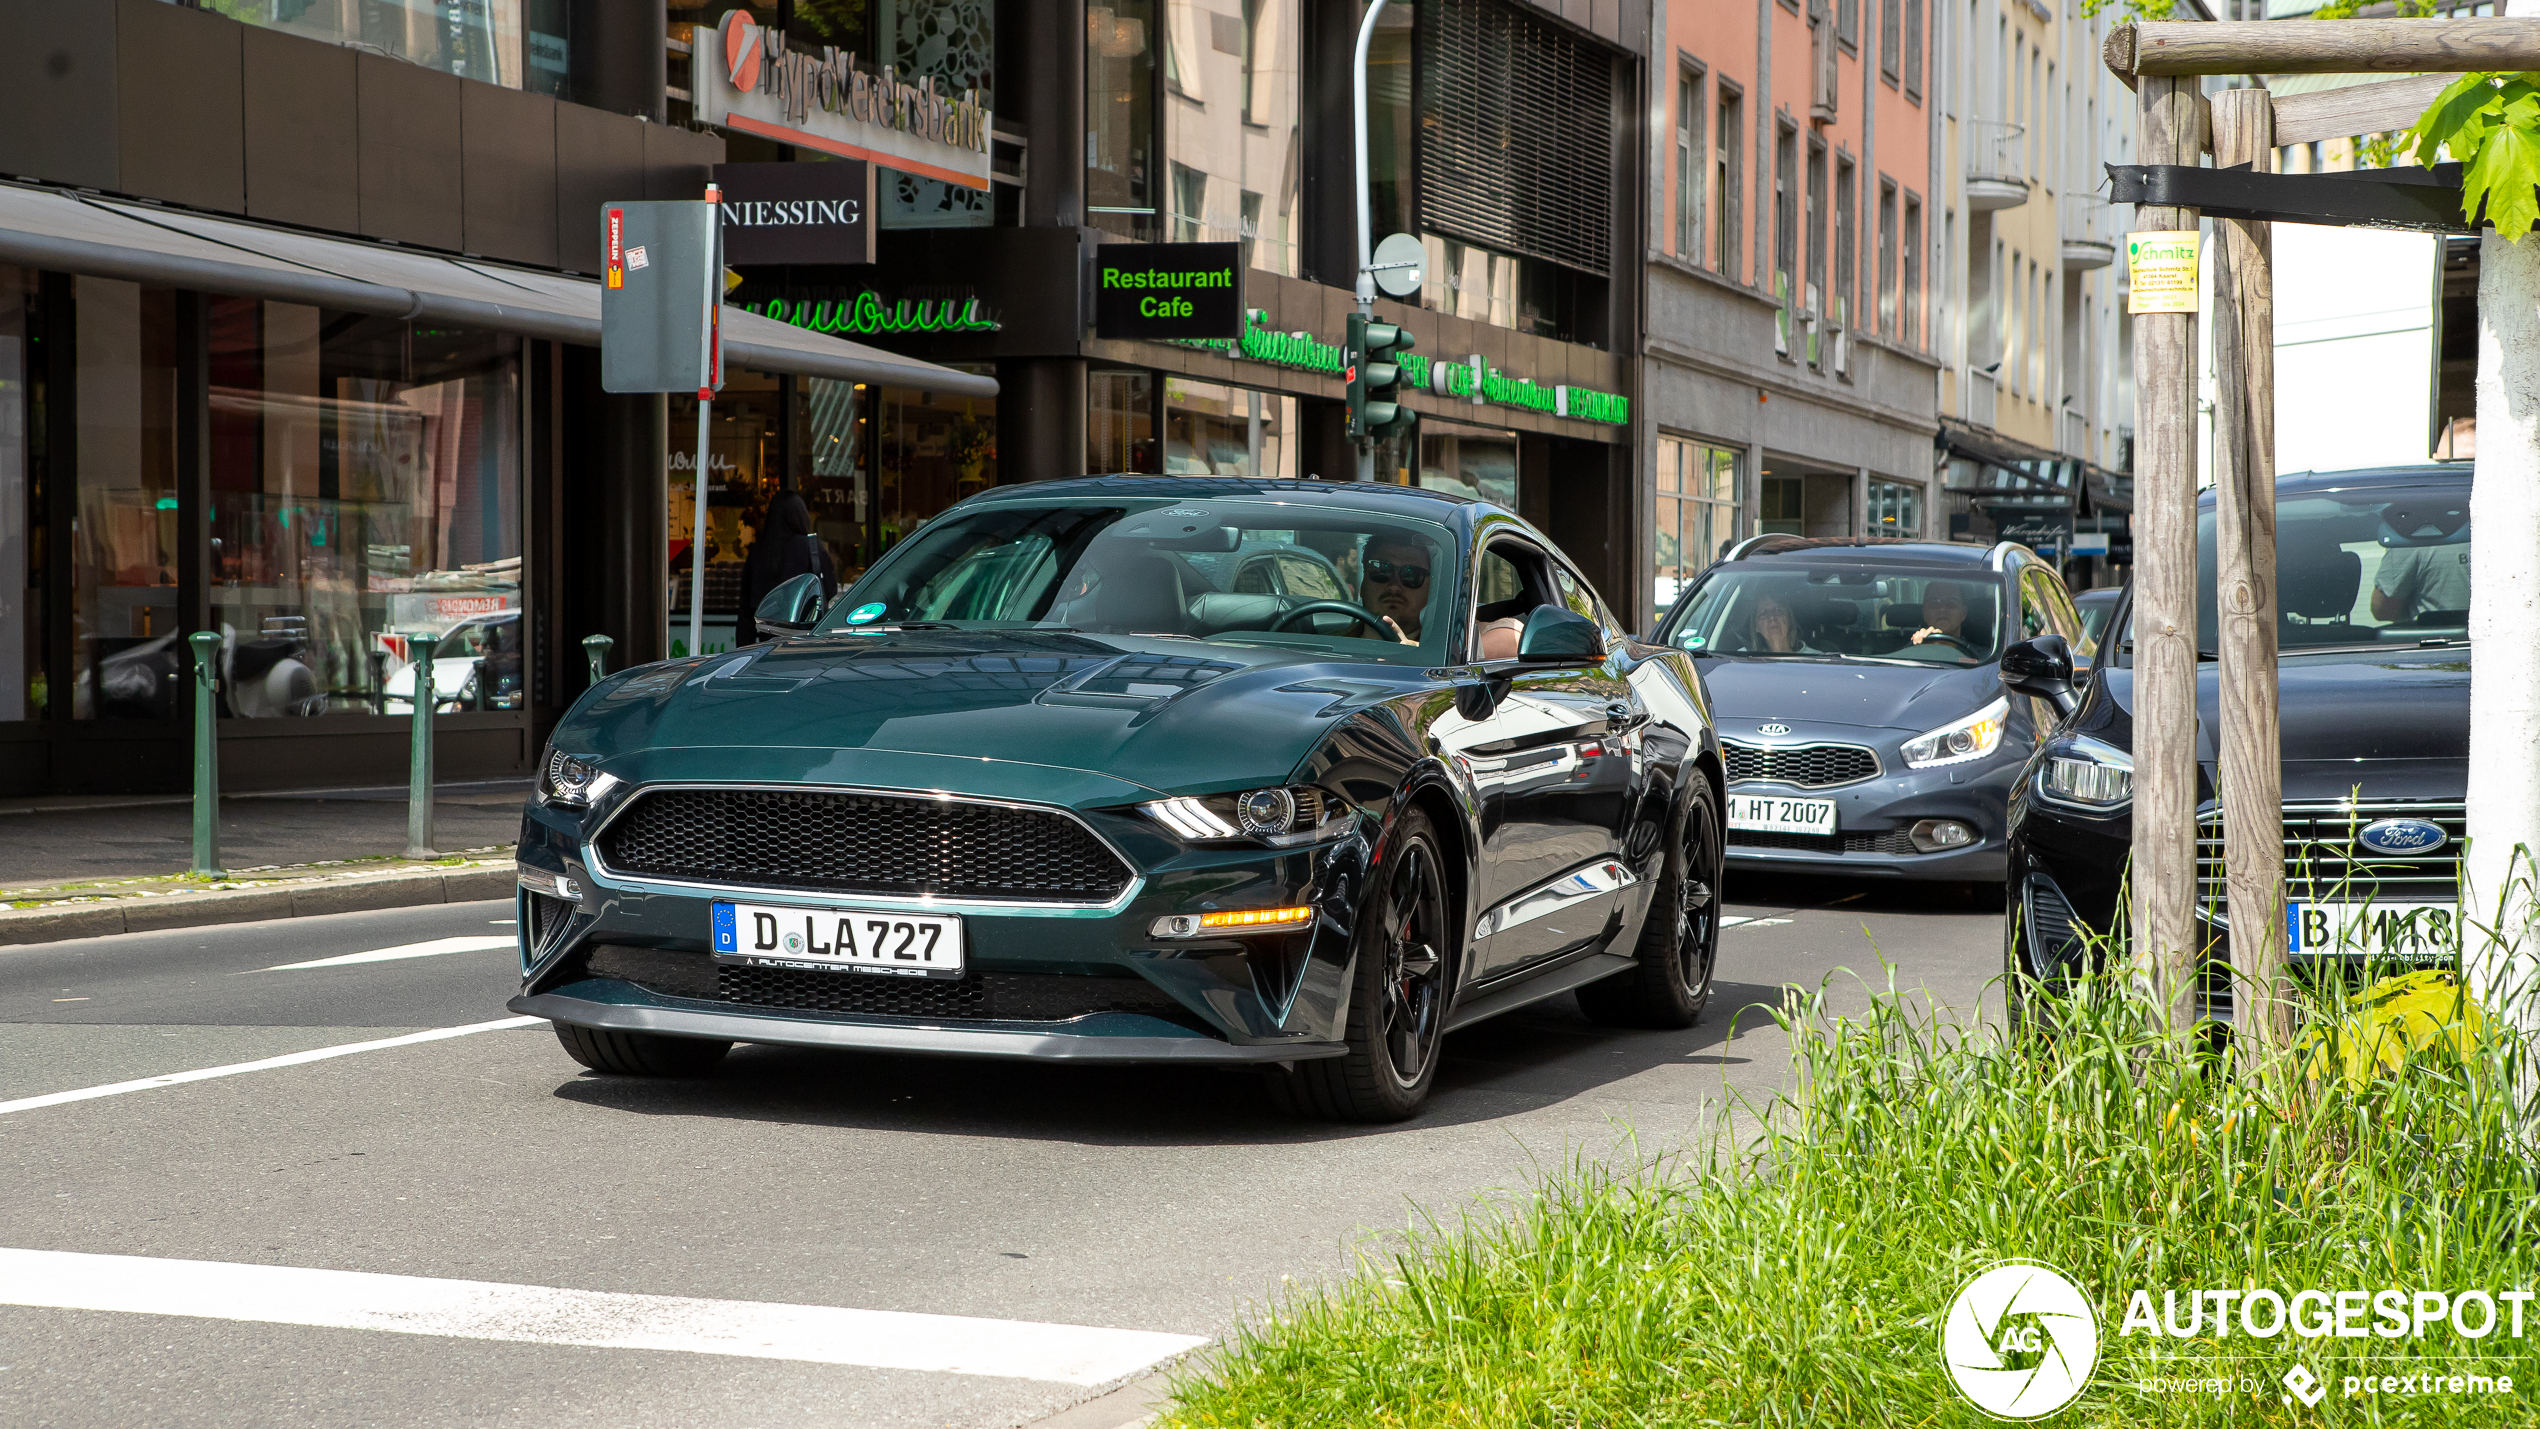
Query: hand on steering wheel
x=1362 y=614
x=1933 y=632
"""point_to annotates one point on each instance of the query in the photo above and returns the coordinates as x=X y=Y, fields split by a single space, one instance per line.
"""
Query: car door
x=1541 y=762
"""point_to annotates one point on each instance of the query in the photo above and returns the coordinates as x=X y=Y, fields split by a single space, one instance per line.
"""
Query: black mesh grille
x=977 y=997
x=863 y=843
x=1825 y=843
x=2054 y=930
x=1810 y=766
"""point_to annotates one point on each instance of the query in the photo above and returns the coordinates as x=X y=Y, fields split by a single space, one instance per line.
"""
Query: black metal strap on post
x=2417 y=200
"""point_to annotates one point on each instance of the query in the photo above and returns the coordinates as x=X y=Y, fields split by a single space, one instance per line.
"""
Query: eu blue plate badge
x=865 y=614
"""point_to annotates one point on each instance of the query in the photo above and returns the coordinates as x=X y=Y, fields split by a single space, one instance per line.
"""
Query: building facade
x=1790 y=357
x=1501 y=136
x=298 y=346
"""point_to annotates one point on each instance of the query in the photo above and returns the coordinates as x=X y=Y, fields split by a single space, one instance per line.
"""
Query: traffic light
x=1373 y=377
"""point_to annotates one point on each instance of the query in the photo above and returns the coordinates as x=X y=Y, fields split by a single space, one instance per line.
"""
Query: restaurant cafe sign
x=745 y=77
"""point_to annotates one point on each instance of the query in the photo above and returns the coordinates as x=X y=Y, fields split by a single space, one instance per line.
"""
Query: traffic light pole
x=1366 y=238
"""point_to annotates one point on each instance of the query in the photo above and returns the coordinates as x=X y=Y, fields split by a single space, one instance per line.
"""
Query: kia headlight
x=572 y=781
x=1974 y=737
x=1295 y=814
x=2087 y=774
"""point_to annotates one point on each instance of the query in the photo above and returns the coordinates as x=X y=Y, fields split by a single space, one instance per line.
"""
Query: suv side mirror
x=1556 y=634
x=791 y=608
x=2042 y=667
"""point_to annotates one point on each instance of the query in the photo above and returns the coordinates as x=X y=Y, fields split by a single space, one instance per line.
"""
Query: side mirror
x=791 y=608
x=1557 y=635
x=2042 y=667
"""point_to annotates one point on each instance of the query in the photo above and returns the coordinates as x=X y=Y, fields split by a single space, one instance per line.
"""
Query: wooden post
x=2173 y=128
x=2323 y=47
x=2244 y=538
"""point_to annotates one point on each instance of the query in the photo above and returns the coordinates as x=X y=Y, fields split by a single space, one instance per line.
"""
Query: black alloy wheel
x=1668 y=984
x=1398 y=992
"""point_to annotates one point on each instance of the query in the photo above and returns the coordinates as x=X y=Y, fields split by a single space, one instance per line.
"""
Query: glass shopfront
x=519 y=44
x=23 y=688
x=125 y=646
x=1216 y=430
x=1697 y=512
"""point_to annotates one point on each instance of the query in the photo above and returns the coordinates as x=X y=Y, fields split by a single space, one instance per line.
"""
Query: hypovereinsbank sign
x=1168 y=291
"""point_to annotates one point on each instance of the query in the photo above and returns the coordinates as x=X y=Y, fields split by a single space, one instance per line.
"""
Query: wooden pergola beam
x=2174 y=47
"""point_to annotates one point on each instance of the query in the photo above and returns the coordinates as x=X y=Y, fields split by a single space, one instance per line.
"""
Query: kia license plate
x=2404 y=931
x=1773 y=814
x=864 y=940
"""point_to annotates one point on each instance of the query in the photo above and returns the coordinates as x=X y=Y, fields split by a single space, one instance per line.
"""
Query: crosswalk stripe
x=291 y=1059
x=543 y=1315
x=481 y=942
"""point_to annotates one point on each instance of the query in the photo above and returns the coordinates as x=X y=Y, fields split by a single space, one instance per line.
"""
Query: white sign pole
x=706 y=354
x=1366 y=229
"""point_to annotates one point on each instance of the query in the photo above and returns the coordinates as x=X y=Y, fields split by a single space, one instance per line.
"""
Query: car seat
x=1141 y=593
x=2318 y=580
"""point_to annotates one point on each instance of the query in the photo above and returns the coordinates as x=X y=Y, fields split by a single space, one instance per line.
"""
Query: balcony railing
x=1980 y=397
x=2090 y=231
x=1996 y=152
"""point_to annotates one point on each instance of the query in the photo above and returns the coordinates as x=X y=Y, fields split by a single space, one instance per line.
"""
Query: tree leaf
x=2452 y=119
x=2505 y=177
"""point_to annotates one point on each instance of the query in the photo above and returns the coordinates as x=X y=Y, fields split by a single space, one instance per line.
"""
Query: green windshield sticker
x=865 y=614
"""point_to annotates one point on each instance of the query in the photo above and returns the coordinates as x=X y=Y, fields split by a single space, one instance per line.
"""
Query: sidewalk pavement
x=74 y=867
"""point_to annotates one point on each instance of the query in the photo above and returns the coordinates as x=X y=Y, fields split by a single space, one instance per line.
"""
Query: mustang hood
x=1159 y=714
x=1909 y=698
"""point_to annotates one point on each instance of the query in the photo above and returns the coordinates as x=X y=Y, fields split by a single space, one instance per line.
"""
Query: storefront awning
x=173 y=248
x=2024 y=470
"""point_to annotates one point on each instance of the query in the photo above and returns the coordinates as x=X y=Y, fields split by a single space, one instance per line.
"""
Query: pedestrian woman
x=785 y=548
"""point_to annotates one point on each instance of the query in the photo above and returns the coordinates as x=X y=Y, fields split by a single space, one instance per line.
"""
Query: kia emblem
x=1772 y=729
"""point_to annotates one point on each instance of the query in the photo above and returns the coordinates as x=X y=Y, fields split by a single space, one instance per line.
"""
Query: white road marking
x=116 y=1089
x=475 y=943
x=1731 y=920
x=542 y=1315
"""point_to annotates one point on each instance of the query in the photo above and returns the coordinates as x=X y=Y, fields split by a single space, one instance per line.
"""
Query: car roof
x=1442 y=506
x=1860 y=551
x=2305 y=483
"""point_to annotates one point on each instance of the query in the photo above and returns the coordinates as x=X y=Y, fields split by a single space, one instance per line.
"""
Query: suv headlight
x=2087 y=774
x=1974 y=737
x=572 y=781
x=1279 y=817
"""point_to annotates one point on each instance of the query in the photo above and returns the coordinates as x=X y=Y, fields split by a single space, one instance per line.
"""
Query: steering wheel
x=1969 y=650
x=1365 y=617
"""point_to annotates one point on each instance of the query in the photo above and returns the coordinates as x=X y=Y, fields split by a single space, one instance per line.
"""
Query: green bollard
x=596 y=648
x=206 y=645
x=422 y=647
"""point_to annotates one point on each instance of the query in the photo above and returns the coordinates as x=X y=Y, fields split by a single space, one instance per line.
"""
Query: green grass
x=1799 y=1276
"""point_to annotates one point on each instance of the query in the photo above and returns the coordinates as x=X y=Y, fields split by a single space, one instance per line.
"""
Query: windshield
x=1266 y=572
x=2379 y=565
x=1945 y=615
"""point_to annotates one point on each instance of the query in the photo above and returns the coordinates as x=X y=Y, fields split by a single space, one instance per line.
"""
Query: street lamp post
x=1366 y=222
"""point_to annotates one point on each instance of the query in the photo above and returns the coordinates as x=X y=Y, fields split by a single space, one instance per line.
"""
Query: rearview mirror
x=2042 y=667
x=1558 y=635
x=791 y=608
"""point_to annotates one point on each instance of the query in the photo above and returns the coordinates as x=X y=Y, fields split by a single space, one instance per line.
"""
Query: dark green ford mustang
x=1295 y=774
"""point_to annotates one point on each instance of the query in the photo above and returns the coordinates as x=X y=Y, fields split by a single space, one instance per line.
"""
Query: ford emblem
x=2403 y=836
x=1772 y=729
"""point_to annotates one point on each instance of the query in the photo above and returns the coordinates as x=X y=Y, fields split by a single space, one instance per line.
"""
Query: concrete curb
x=405 y=888
x=1131 y=1406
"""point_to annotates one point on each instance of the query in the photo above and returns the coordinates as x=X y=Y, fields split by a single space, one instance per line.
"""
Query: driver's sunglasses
x=1387 y=573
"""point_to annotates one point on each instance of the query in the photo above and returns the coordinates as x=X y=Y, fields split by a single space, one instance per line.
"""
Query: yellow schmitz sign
x=2161 y=271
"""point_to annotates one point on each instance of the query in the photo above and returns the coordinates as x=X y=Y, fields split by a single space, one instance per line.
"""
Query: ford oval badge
x=1772 y=729
x=2403 y=836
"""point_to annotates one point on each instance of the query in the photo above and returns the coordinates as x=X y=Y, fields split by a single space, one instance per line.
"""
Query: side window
x=1253 y=577
x=1509 y=581
x=2052 y=608
x=2033 y=612
x=1574 y=593
x=1304 y=577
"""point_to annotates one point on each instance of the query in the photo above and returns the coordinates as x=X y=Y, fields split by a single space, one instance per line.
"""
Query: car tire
x=1669 y=982
x=1402 y=971
x=640 y=1054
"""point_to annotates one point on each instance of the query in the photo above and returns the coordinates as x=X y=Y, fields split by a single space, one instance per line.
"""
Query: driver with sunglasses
x=1393 y=584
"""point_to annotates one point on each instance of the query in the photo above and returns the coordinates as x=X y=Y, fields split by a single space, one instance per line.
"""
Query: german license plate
x=1773 y=814
x=865 y=940
x=2379 y=930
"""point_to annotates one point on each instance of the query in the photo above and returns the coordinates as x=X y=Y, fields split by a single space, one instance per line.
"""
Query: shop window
x=1784 y=507
x=1120 y=117
x=831 y=429
x=126 y=650
x=744 y=465
x=1482 y=465
x=1231 y=125
x=1120 y=422
x=22 y=682
x=1696 y=515
x=365 y=486
x=1212 y=430
x=1896 y=509
x=929 y=451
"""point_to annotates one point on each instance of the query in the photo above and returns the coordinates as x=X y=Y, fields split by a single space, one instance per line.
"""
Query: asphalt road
x=202 y=1230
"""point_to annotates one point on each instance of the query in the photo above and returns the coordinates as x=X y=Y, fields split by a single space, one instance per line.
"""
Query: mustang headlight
x=1974 y=737
x=1275 y=816
x=571 y=781
x=2088 y=774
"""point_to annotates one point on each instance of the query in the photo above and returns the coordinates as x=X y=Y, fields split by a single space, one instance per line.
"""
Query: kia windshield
x=2377 y=564
x=1356 y=583
x=1925 y=614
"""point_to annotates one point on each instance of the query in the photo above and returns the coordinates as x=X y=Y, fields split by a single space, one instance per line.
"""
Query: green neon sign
x=1302 y=353
x=868 y=316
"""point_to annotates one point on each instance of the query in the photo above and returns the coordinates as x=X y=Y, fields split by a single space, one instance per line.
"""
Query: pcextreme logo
x=2020 y=1340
